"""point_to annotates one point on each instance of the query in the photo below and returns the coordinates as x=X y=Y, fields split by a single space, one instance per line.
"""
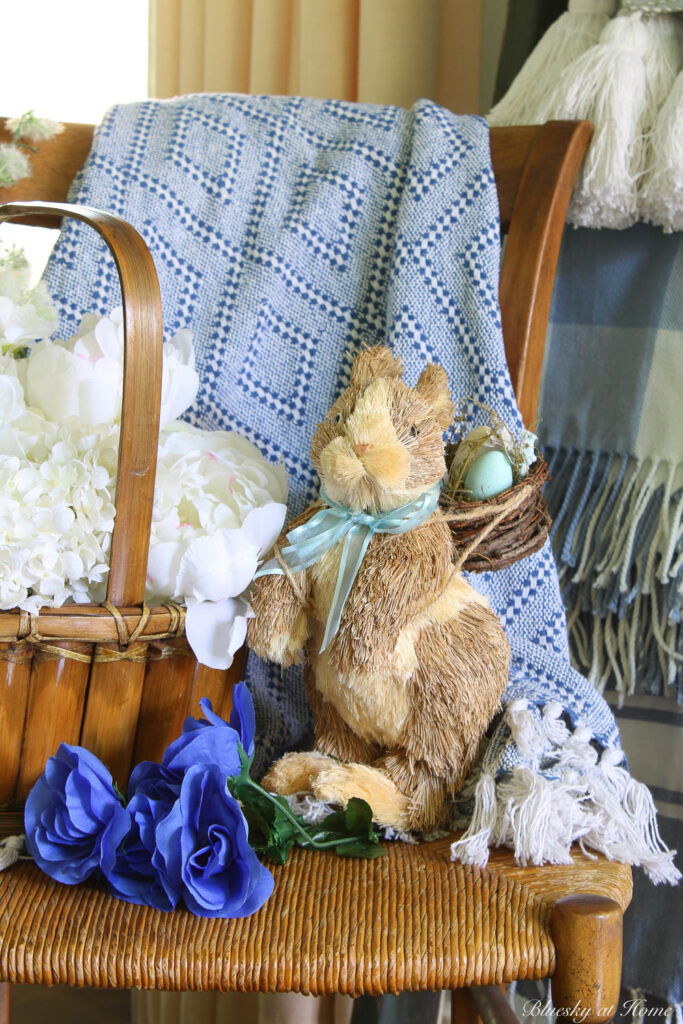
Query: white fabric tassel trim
x=662 y=198
x=587 y=800
x=11 y=849
x=619 y=85
x=572 y=34
x=473 y=847
x=608 y=87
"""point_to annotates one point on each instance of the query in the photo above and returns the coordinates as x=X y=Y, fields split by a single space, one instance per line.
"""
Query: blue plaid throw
x=287 y=233
x=610 y=417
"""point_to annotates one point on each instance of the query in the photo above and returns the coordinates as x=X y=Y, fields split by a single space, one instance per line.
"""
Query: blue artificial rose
x=214 y=742
x=74 y=819
x=155 y=781
x=133 y=876
x=152 y=792
x=242 y=718
x=203 y=849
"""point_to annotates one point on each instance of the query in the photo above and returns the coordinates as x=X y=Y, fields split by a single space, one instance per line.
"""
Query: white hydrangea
x=14 y=165
x=218 y=505
x=30 y=128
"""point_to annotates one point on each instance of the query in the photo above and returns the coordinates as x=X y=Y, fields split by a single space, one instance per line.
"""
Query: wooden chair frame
x=445 y=925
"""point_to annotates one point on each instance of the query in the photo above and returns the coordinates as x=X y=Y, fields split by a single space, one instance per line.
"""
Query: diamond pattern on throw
x=296 y=347
x=325 y=209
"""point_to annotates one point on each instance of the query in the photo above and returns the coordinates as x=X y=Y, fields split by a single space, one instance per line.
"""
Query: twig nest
x=493 y=498
x=499 y=531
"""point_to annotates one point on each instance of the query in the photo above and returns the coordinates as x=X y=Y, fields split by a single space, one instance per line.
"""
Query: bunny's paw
x=337 y=784
x=295 y=773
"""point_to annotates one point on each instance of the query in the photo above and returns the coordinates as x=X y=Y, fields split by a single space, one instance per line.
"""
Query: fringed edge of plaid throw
x=618 y=537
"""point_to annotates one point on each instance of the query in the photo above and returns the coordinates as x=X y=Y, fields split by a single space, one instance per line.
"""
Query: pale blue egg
x=488 y=475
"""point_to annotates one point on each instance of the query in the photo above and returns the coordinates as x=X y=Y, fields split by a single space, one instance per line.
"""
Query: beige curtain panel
x=370 y=51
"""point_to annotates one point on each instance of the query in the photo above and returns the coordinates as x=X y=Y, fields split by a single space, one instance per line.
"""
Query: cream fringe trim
x=11 y=850
x=581 y=798
x=619 y=75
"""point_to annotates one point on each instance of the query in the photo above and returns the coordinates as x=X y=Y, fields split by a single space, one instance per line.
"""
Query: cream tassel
x=11 y=849
x=473 y=846
x=608 y=86
x=662 y=198
x=572 y=34
x=663 y=60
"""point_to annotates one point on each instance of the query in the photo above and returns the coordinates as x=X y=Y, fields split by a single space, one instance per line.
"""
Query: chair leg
x=483 y=1004
x=5 y=1002
x=463 y=1010
x=587 y=932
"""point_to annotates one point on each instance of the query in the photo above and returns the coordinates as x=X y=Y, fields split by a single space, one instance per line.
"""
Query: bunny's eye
x=337 y=418
x=413 y=431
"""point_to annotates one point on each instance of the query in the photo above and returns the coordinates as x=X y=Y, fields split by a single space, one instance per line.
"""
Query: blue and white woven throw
x=287 y=233
x=611 y=417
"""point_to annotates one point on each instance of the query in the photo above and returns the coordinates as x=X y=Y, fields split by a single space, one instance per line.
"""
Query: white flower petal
x=263 y=526
x=11 y=399
x=99 y=401
x=215 y=630
x=217 y=566
x=162 y=568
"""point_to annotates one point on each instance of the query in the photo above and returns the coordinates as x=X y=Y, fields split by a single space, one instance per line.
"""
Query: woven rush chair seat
x=408 y=920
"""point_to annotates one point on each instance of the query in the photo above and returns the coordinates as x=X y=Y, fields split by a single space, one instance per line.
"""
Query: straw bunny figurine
x=406 y=662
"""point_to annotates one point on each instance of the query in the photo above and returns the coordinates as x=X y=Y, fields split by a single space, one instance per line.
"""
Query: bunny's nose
x=360 y=449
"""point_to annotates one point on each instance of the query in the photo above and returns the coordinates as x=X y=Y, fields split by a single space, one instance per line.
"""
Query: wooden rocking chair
x=412 y=919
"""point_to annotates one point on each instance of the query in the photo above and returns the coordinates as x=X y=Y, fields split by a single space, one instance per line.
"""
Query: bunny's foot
x=429 y=796
x=295 y=773
x=336 y=785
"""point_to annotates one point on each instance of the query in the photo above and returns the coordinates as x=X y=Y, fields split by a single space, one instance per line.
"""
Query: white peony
x=218 y=504
x=83 y=377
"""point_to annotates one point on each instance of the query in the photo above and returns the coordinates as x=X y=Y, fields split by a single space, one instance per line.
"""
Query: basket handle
x=139 y=436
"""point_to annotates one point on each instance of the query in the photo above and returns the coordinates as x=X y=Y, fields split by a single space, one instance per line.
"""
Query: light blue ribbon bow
x=309 y=542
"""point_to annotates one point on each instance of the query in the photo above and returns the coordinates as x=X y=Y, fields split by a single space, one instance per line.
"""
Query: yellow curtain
x=370 y=51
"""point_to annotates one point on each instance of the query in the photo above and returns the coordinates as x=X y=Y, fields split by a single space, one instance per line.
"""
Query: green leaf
x=278 y=854
x=368 y=850
x=358 y=817
x=274 y=828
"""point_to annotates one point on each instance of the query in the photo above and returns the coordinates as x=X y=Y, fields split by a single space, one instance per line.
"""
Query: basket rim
x=93 y=623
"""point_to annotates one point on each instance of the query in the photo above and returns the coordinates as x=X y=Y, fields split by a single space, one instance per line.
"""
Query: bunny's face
x=382 y=445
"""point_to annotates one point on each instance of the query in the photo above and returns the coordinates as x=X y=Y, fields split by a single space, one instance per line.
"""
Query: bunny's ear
x=372 y=363
x=432 y=386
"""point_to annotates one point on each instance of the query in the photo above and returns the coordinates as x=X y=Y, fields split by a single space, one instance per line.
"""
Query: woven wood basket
x=495 y=534
x=119 y=677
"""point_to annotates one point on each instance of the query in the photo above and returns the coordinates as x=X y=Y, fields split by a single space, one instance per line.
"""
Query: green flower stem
x=293 y=819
